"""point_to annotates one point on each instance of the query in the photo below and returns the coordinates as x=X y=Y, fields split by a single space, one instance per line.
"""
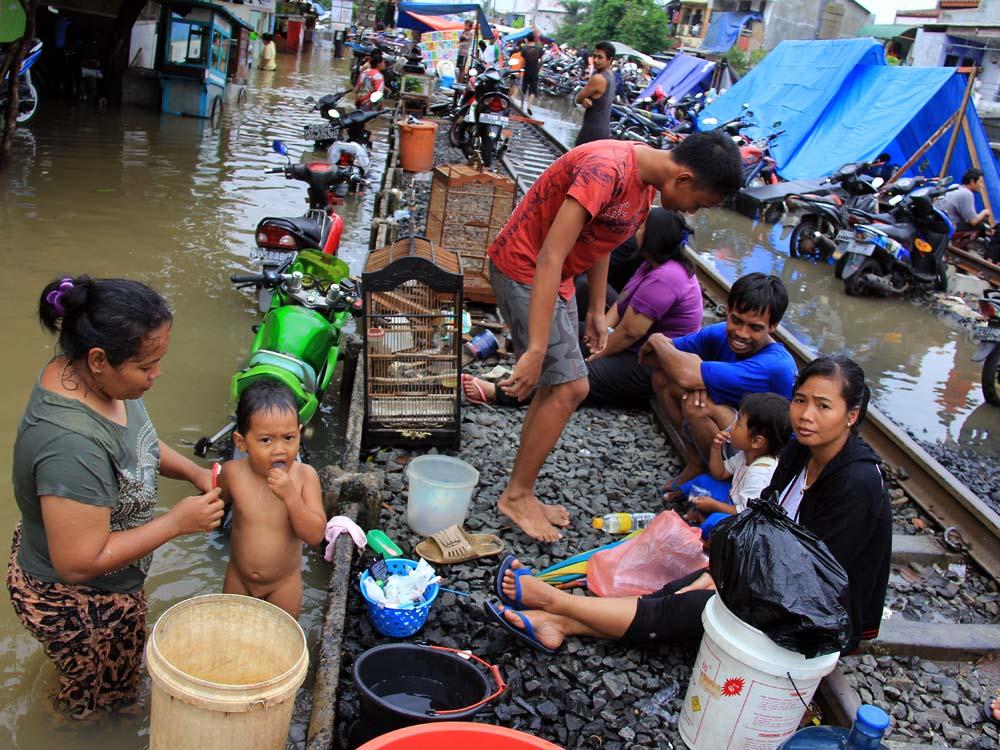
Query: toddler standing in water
x=761 y=431
x=276 y=500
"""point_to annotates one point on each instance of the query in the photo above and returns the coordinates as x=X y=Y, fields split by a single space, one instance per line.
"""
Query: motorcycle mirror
x=895 y=200
x=279 y=148
x=376 y=97
x=710 y=121
x=333 y=114
x=473 y=72
x=309 y=100
x=745 y=105
x=699 y=95
x=878 y=182
x=777 y=124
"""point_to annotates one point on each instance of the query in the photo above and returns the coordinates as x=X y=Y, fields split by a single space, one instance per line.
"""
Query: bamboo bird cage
x=467 y=210
x=413 y=344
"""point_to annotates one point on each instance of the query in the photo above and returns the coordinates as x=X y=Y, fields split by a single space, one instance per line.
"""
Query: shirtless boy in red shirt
x=583 y=206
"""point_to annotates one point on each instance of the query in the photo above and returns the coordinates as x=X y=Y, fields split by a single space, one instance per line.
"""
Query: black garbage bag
x=778 y=577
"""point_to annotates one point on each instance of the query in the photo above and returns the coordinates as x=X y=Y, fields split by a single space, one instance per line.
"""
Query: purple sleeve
x=654 y=297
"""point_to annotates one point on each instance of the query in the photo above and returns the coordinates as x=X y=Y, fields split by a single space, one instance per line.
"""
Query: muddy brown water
x=918 y=362
x=172 y=202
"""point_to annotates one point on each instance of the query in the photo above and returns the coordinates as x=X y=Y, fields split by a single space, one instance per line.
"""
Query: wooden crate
x=467 y=210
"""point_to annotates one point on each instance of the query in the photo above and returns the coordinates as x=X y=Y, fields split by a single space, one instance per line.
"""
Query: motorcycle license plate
x=790 y=218
x=858 y=248
x=270 y=257
x=491 y=119
x=987 y=334
x=321 y=132
x=844 y=235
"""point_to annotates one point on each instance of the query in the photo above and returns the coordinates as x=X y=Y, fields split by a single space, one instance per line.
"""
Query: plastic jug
x=440 y=489
x=866 y=734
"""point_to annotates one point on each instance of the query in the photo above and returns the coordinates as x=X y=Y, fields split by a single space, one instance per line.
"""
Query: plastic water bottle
x=866 y=734
x=622 y=523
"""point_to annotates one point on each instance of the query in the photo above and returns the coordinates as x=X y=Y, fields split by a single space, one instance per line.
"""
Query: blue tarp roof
x=839 y=102
x=681 y=75
x=723 y=31
x=442 y=9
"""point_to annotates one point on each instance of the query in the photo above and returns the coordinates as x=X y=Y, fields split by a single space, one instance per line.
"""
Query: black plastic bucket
x=403 y=684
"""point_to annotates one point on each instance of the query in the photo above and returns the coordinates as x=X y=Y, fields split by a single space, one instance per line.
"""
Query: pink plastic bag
x=666 y=550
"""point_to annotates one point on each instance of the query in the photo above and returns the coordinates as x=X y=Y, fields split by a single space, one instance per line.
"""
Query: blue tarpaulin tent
x=681 y=75
x=723 y=31
x=441 y=9
x=839 y=102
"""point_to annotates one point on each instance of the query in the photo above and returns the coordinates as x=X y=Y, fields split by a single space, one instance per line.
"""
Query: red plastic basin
x=458 y=734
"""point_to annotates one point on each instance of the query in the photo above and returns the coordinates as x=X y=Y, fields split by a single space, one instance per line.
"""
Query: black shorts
x=665 y=617
x=531 y=83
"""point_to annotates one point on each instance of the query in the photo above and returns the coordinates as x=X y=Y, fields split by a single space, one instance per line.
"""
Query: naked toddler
x=276 y=500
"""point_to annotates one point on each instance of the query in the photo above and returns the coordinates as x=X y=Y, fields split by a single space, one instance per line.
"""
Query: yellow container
x=225 y=669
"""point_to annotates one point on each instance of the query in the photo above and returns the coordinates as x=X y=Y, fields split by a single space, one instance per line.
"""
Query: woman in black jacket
x=827 y=479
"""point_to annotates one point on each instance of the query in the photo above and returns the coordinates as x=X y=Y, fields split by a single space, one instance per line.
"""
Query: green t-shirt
x=66 y=449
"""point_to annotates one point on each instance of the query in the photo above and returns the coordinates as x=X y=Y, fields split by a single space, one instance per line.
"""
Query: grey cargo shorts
x=564 y=361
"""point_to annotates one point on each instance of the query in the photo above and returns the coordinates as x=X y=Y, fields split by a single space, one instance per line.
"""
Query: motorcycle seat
x=832 y=199
x=901 y=233
x=301 y=370
x=302 y=225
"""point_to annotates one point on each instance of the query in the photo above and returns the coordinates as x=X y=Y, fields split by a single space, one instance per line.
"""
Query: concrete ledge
x=945 y=641
x=926 y=550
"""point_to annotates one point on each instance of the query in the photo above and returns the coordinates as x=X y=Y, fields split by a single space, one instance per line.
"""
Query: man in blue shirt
x=701 y=378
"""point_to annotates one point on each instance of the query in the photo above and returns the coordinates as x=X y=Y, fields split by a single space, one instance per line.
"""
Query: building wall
x=812 y=19
x=928 y=49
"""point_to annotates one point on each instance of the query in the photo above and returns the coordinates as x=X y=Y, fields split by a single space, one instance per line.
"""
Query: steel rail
x=975 y=264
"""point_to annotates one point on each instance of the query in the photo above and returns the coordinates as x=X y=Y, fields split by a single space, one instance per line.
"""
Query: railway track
x=972 y=523
x=975 y=264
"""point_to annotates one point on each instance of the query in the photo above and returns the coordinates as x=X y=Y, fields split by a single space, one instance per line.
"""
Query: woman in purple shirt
x=662 y=296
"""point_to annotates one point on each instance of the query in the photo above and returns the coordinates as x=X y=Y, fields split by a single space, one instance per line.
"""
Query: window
x=187 y=44
x=220 y=51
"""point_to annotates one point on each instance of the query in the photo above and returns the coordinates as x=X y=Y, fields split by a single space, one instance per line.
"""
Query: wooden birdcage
x=413 y=344
x=467 y=210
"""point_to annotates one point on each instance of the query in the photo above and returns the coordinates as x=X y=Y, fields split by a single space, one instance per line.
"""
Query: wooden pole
x=961 y=118
x=975 y=162
x=923 y=149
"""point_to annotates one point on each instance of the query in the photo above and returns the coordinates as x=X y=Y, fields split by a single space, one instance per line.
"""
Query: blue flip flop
x=526 y=634
x=516 y=602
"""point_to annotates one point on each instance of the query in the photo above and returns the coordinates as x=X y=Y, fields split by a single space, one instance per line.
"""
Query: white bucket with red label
x=741 y=695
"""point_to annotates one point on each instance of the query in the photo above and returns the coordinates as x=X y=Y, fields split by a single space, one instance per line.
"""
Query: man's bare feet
x=557 y=515
x=529 y=515
x=670 y=492
x=535 y=593
x=994 y=704
x=548 y=628
x=478 y=391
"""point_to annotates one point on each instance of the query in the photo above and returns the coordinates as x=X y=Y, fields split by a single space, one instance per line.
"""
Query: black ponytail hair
x=665 y=235
x=853 y=388
x=115 y=315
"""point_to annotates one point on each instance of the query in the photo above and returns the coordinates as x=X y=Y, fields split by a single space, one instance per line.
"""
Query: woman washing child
x=827 y=479
x=86 y=460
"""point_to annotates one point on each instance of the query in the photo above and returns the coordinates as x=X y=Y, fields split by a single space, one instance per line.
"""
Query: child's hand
x=281 y=484
x=720 y=439
x=702 y=504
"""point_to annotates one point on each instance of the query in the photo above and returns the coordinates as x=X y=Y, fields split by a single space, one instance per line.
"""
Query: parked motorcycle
x=828 y=214
x=480 y=123
x=298 y=341
x=279 y=238
x=27 y=94
x=890 y=258
x=989 y=345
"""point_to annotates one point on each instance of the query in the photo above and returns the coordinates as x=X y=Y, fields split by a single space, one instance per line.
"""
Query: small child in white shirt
x=758 y=436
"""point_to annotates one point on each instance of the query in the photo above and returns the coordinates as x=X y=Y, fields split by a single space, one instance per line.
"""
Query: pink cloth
x=334 y=527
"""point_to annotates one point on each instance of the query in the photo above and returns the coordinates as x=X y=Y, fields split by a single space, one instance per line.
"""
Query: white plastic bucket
x=440 y=490
x=225 y=669
x=740 y=695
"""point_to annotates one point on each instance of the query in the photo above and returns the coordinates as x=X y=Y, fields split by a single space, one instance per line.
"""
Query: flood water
x=918 y=362
x=171 y=202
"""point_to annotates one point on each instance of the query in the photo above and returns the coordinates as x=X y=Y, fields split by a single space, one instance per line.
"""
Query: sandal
x=456 y=545
x=479 y=389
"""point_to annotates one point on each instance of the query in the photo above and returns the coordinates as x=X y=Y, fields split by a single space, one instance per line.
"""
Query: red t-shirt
x=603 y=176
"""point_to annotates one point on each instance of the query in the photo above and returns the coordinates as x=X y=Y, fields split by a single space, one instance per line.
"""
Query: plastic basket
x=399 y=623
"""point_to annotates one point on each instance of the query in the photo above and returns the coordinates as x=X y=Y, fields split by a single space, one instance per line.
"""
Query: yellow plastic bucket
x=225 y=669
x=416 y=145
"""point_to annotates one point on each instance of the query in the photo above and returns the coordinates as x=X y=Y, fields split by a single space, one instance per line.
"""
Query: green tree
x=573 y=22
x=641 y=24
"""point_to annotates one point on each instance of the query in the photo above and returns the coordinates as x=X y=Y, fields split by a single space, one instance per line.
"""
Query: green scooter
x=298 y=341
